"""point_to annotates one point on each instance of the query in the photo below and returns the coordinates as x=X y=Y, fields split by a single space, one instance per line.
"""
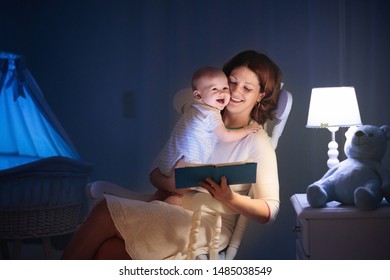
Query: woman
x=120 y=228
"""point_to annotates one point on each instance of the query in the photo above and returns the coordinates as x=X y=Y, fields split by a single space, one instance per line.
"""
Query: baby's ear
x=196 y=94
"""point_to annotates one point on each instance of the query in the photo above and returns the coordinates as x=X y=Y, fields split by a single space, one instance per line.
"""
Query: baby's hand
x=252 y=128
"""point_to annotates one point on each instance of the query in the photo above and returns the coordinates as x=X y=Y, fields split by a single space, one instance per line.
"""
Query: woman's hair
x=269 y=76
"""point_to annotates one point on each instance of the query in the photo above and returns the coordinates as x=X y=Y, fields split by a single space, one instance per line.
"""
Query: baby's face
x=215 y=91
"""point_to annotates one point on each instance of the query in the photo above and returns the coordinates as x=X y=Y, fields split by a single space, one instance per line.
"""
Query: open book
x=236 y=173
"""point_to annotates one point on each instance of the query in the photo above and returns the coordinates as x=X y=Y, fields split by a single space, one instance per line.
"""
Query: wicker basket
x=42 y=198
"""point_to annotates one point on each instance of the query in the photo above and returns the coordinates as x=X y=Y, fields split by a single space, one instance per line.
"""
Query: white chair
x=194 y=200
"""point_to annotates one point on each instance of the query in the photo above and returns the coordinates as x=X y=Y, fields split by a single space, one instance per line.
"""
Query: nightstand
x=341 y=232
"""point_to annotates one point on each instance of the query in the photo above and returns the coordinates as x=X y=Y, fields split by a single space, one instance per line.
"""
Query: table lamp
x=331 y=108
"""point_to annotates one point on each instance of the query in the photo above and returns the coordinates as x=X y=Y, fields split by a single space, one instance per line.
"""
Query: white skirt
x=157 y=230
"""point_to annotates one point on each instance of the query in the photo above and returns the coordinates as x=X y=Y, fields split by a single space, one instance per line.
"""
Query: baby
x=199 y=129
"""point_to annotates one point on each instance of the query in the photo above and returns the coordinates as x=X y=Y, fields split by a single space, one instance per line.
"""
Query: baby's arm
x=231 y=135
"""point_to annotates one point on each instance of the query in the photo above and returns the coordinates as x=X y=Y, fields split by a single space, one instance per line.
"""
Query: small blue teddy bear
x=361 y=179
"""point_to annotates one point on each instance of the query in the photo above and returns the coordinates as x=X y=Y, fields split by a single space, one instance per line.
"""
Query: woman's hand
x=221 y=192
x=256 y=209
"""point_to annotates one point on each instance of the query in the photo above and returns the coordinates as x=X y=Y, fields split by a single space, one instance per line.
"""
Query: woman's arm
x=254 y=209
x=264 y=206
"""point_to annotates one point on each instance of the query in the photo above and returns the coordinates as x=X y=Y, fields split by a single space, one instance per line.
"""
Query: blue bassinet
x=42 y=178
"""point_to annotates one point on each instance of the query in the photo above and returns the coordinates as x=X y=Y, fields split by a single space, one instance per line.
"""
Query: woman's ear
x=260 y=96
x=196 y=94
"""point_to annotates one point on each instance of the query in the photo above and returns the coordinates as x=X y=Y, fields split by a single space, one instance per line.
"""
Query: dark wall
x=86 y=55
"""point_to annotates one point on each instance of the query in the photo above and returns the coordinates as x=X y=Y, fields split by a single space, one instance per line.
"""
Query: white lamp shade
x=333 y=107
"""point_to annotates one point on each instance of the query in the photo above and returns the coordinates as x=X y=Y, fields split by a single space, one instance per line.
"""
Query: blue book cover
x=236 y=173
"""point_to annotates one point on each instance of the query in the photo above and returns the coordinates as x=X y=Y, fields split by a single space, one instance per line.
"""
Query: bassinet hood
x=28 y=128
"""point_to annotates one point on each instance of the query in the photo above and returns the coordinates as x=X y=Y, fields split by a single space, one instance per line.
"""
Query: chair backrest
x=274 y=128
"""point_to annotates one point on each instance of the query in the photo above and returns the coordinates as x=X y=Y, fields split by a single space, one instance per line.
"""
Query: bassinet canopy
x=28 y=128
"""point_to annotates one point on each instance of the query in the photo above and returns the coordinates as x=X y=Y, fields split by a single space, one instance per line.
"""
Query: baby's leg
x=180 y=163
x=162 y=182
x=175 y=199
x=165 y=182
x=159 y=195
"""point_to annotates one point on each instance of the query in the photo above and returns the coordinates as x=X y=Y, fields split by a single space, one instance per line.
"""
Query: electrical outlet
x=129 y=104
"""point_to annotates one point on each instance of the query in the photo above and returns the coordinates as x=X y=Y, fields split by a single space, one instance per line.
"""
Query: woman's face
x=245 y=90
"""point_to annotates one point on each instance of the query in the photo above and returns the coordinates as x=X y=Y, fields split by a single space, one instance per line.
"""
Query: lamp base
x=333 y=153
